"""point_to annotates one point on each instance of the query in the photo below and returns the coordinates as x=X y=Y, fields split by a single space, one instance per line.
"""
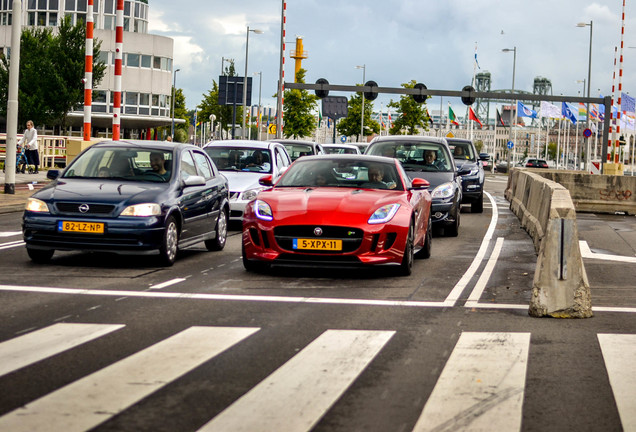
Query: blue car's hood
x=101 y=191
x=434 y=178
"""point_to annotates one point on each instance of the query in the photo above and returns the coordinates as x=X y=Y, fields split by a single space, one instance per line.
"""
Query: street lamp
x=247 y=44
x=514 y=65
x=174 y=93
x=589 y=78
x=364 y=70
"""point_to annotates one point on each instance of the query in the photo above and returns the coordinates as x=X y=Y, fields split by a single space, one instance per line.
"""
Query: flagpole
x=558 y=145
x=576 y=147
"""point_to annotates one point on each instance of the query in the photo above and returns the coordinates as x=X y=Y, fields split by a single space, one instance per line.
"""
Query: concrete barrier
x=596 y=193
x=560 y=287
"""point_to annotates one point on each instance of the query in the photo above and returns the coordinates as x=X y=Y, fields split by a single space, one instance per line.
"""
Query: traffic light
x=470 y=99
x=420 y=98
x=373 y=94
x=322 y=93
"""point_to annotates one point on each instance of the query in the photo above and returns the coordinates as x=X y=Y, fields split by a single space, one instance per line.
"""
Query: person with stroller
x=30 y=140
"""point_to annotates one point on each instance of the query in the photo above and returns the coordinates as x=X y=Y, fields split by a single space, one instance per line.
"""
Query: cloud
x=186 y=53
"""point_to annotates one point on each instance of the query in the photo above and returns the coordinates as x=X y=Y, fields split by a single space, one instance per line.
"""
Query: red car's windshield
x=342 y=173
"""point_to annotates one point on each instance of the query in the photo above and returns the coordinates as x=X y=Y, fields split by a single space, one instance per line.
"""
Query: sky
x=429 y=41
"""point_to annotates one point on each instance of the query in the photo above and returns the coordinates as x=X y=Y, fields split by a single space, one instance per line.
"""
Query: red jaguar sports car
x=339 y=211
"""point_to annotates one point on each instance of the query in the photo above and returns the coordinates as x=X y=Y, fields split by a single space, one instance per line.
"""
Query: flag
x=550 y=110
x=566 y=111
x=499 y=119
x=328 y=122
x=628 y=103
x=430 y=117
x=582 y=109
x=524 y=111
x=269 y=116
x=319 y=117
x=472 y=116
x=390 y=122
x=476 y=62
x=594 y=112
x=451 y=116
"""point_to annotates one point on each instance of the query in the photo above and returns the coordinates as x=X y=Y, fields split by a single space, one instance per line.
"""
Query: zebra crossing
x=481 y=386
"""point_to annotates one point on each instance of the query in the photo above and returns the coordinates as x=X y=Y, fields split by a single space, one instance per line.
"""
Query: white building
x=147 y=62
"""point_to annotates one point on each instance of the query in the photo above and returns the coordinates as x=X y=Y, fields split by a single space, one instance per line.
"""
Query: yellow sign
x=450 y=135
x=272 y=129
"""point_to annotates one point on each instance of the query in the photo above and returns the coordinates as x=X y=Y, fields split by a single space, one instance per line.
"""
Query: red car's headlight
x=263 y=210
x=383 y=214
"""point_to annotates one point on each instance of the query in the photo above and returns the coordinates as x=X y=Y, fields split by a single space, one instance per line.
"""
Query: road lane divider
x=478 y=290
x=586 y=252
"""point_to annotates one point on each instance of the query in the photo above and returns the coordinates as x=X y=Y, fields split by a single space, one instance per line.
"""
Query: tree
x=552 y=150
x=479 y=144
x=51 y=73
x=411 y=115
x=350 y=125
x=210 y=104
x=299 y=120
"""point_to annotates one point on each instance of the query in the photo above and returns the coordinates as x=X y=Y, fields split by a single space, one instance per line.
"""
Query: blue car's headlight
x=263 y=210
x=36 y=205
x=445 y=190
x=383 y=214
x=472 y=172
x=142 y=210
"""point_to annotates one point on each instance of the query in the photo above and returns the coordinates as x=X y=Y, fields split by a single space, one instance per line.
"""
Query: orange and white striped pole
x=281 y=75
x=88 y=72
x=612 y=130
x=119 y=46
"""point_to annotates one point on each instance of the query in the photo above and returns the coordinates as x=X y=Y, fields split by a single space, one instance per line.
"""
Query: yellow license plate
x=81 y=227
x=317 y=244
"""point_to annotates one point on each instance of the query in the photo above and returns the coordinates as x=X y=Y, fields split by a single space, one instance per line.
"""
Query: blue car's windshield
x=240 y=158
x=138 y=164
x=415 y=156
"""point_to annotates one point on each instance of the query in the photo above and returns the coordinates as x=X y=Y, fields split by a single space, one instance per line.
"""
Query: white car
x=341 y=149
x=243 y=163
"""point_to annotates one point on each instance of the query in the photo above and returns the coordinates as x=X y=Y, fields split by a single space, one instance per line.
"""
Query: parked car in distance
x=339 y=211
x=129 y=197
x=341 y=149
x=533 y=163
x=470 y=168
x=243 y=162
x=429 y=158
x=299 y=148
x=486 y=162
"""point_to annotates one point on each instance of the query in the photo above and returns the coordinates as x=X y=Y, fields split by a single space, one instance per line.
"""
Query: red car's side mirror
x=420 y=183
x=266 y=180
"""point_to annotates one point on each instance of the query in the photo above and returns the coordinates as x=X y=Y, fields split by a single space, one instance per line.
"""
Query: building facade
x=147 y=62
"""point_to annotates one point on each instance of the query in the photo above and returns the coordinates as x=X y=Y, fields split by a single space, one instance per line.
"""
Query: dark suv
x=471 y=170
x=429 y=158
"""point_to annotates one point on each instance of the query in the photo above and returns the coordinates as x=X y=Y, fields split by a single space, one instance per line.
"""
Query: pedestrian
x=30 y=137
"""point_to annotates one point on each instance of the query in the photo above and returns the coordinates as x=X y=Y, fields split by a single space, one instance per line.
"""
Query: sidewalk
x=25 y=186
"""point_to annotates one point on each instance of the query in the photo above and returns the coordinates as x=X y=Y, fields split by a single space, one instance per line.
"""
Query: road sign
x=510 y=144
x=450 y=135
x=587 y=133
x=343 y=138
x=272 y=129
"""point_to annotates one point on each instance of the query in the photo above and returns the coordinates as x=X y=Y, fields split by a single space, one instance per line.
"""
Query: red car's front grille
x=351 y=237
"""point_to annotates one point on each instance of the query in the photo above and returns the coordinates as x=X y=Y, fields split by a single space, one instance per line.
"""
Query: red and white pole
x=620 y=89
x=281 y=75
x=88 y=72
x=119 y=46
x=612 y=130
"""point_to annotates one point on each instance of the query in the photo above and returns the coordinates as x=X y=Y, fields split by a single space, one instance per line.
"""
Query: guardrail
x=560 y=288
x=52 y=149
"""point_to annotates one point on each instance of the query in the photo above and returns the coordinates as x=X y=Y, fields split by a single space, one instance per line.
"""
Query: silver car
x=243 y=163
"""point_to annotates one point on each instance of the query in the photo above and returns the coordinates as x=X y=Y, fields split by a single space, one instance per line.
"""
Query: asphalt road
x=204 y=344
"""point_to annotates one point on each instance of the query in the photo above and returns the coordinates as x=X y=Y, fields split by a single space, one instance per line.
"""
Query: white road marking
x=452 y=298
x=481 y=387
x=33 y=347
x=10 y=233
x=297 y=395
x=478 y=290
x=11 y=245
x=90 y=401
x=586 y=252
x=619 y=352
x=167 y=283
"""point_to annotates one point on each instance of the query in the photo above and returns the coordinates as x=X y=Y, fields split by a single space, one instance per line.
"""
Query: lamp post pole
x=514 y=65
x=174 y=94
x=589 y=79
x=247 y=44
x=258 y=115
x=364 y=70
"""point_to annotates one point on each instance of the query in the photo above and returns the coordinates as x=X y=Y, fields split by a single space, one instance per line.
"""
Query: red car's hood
x=327 y=205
